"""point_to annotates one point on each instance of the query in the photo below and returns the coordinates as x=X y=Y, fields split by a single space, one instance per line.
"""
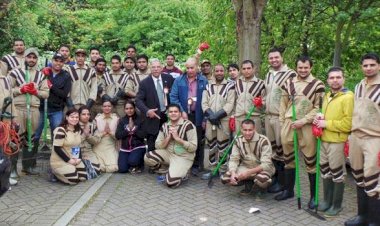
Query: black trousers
x=151 y=137
x=199 y=154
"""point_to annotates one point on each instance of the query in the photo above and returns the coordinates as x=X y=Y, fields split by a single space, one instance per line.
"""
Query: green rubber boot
x=328 y=189
x=336 y=201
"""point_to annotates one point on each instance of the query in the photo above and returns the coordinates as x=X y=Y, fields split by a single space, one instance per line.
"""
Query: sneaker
x=206 y=176
x=13 y=182
x=161 y=179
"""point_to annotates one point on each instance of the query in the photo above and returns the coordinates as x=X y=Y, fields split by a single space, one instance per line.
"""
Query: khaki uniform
x=178 y=157
x=365 y=137
x=84 y=85
x=250 y=154
x=88 y=143
x=63 y=143
x=115 y=81
x=245 y=92
x=14 y=61
x=274 y=80
x=107 y=150
x=6 y=91
x=337 y=112
x=307 y=95
x=218 y=97
x=97 y=108
x=134 y=81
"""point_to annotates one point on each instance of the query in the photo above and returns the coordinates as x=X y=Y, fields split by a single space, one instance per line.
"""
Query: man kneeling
x=175 y=147
x=250 y=161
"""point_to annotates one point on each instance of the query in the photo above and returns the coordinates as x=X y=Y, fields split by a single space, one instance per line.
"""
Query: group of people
x=138 y=113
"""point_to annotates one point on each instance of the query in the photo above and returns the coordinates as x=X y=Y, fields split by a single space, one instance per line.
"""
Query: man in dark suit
x=152 y=100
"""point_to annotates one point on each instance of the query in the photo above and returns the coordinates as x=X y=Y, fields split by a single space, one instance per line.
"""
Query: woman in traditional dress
x=65 y=159
x=90 y=137
x=106 y=150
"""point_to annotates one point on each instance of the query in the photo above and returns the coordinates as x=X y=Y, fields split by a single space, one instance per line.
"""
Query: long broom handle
x=28 y=111
x=317 y=163
x=45 y=120
x=295 y=144
x=228 y=149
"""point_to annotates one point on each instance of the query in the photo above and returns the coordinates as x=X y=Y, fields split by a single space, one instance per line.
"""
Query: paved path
x=139 y=200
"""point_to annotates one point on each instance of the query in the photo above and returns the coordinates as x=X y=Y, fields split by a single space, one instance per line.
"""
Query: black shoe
x=30 y=171
x=373 y=211
x=275 y=188
x=361 y=219
x=288 y=192
x=312 y=180
x=284 y=195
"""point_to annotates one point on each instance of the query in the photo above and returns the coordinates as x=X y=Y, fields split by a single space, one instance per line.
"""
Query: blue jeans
x=130 y=159
x=55 y=118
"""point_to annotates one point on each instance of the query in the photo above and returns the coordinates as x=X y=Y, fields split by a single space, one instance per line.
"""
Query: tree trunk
x=248 y=18
x=337 y=61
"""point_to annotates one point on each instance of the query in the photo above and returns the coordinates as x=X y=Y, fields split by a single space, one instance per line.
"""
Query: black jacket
x=58 y=92
x=130 y=139
x=147 y=98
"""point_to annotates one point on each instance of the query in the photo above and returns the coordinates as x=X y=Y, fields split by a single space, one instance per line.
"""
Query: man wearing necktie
x=152 y=100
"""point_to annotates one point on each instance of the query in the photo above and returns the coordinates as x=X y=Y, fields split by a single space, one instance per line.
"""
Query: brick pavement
x=138 y=199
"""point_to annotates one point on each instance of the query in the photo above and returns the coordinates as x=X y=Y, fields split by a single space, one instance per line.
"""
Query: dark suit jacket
x=147 y=98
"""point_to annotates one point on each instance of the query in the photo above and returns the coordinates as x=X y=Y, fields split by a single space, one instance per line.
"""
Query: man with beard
x=187 y=92
x=277 y=75
x=134 y=81
x=305 y=93
x=17 y=58
x=365 y=143
x=218 y=102
x=29 y=85
x=175 y=148
x=84 y=88
x=170 y=68
x=114 y=85
x=152 y=100
x=336 y=122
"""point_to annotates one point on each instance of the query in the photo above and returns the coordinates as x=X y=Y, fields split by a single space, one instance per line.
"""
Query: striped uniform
x=6 y=91
x=245 y=92
x=178 y=157
x=12 y=61
x=84 y=85
x=307 y=96
x=88 y=142
x=97 y=108
x=274 y=80
x=217 y=97
x=113 y=82
x=250 y=154
x=365 y=137
x=63 y=143
x=134 y=80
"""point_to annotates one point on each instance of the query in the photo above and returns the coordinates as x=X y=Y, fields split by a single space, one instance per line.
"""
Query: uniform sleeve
x=309 y=117
x=43 y=89
x=192 y=140
x=95 y=136
x=174 y=94
x=160 y=139
x=205 y=100
x=129 y=87
x=230 y=104
x=94 y=86
x=140 y=99
x=15 y=89
x=283 y=106
x=59 y=137
x=235 y=157
x=266 y=157
x=345 y=122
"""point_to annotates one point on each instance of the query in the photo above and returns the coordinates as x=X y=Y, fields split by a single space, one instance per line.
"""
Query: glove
x=105 y=98
x=215 y=118
x=346 y=149
x=24 y=89
x=317 y=132
x=208 y=113
x=121 y=94
x=69 y=103
x=90 y=103
x=100 y=89
x=257 y=102
x=47 y=71
x=49 y=84
x=202 y=47
x=232 y=124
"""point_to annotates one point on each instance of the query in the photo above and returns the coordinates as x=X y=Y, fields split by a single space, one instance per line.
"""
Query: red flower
x=47 y=71
x=203 y=46
x=232 y=124
x=346 y=149
x=317 y=132
x=258 y=102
